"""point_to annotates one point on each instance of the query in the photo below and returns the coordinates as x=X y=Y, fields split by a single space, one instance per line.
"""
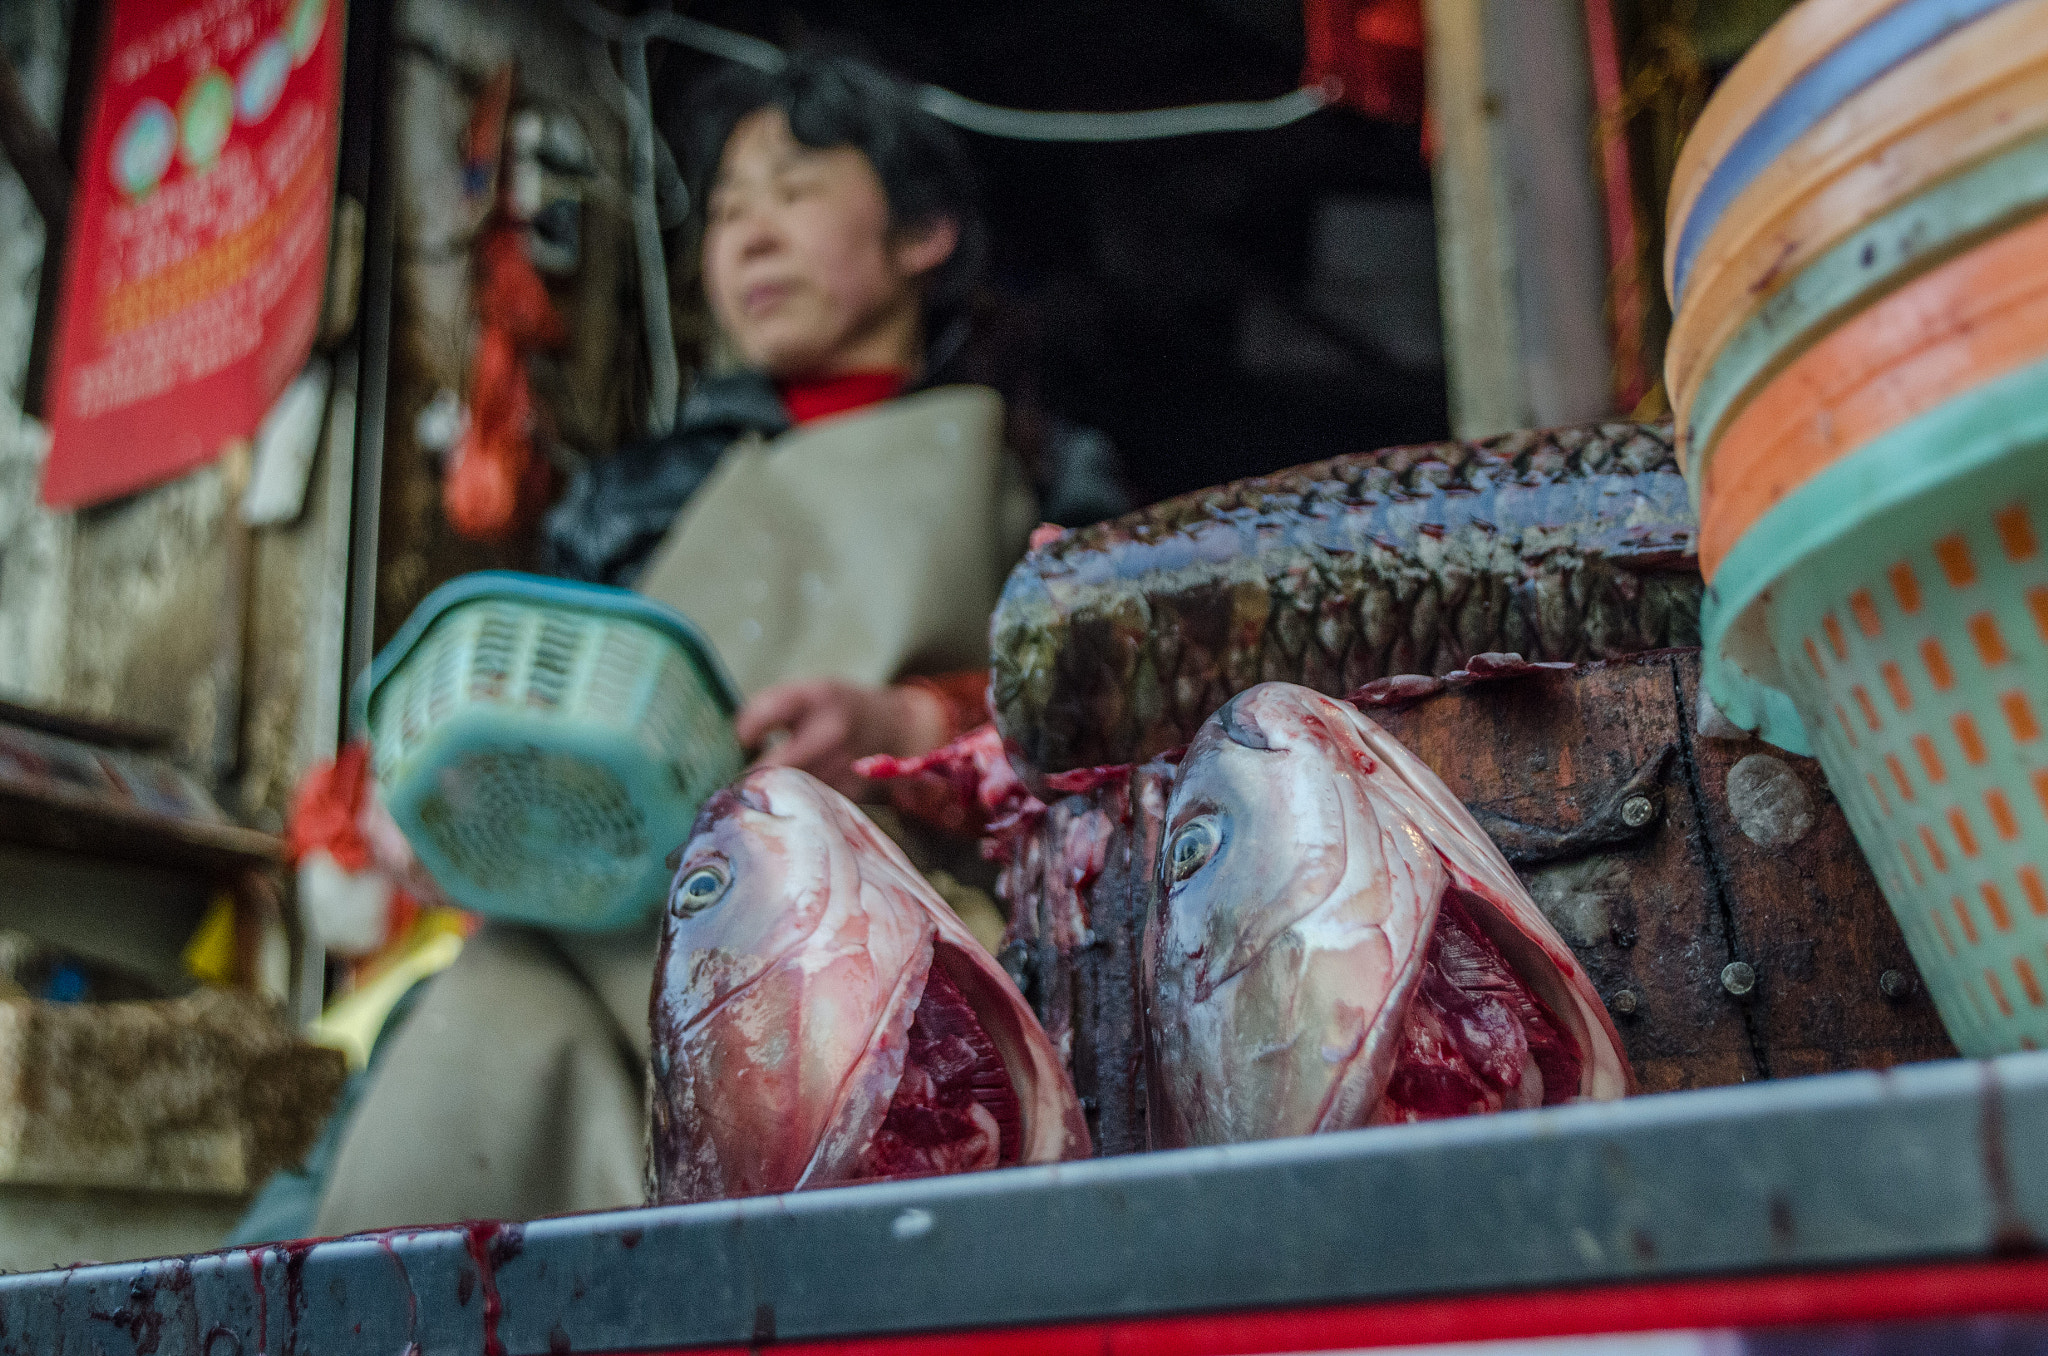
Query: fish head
x=792 y=958
x=1290 y=925
x=1257 y=831
x=753 y=884
x=798 y=946
x=1306 y=858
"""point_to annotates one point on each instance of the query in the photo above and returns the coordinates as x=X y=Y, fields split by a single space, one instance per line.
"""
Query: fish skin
x=1278 y=974
x=1113 y=643
x=781 y=1012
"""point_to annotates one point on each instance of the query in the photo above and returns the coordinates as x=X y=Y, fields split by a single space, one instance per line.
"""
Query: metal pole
x=661 y=343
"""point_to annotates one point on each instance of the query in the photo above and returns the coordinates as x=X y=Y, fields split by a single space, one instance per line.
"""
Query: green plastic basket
x=1892 y=616
x=544 y=745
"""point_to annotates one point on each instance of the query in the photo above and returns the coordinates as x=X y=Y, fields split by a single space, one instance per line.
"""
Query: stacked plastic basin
x=1858 y=267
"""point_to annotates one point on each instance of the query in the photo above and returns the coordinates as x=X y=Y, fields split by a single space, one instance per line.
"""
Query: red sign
x=198 y=243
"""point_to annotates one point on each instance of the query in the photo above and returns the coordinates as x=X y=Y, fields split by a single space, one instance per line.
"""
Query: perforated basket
x=544 y=745
x=1892 y=616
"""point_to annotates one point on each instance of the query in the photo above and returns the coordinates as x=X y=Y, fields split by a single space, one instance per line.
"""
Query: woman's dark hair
x=834 y=101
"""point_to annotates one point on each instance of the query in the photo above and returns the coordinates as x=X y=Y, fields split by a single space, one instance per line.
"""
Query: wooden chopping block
x=1741 y=859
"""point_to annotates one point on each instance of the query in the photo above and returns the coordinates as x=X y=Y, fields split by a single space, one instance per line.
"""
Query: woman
x=838 y=533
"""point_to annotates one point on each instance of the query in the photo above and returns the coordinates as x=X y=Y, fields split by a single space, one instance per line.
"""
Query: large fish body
x=1339 y=944
x=1113 y=643
x=820 y=1016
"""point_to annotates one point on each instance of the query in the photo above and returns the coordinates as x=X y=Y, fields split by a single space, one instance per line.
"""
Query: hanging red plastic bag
x=358 y=880
x=1370 y=52
x=496 y=483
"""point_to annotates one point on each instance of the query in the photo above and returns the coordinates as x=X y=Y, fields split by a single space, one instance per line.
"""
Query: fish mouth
x=1242 y=728
x=727 y=803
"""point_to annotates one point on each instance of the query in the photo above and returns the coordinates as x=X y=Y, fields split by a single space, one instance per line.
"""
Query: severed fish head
x=820 y=1016
x=1337 y=943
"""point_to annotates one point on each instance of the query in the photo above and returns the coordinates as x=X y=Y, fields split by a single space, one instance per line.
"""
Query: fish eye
x=1194 y=843
x=698 y=890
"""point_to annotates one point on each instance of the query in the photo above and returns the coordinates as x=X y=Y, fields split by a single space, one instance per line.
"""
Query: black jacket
x=618 y=508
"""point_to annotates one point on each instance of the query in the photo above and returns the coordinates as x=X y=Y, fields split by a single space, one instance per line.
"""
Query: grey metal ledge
x=1933 y=1161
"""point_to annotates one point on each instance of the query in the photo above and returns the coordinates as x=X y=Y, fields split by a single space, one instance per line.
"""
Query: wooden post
x=1519 y=236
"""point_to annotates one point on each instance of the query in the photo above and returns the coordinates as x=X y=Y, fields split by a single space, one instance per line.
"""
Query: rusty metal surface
x=1661 y=919
x=1642 y=918
x=1655 y=911
x=1835 y=986
x=1939 y=1161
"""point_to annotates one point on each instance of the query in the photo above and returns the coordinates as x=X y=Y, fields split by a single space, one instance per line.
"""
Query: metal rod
x=661 y=342
x=365 y=128
x=33 y=150
x=1925 y=1162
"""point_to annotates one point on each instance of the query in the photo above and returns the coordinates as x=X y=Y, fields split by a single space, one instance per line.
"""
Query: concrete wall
x=34 y=545
x=131 y=609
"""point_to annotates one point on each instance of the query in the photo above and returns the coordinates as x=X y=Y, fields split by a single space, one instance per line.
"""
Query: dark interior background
x=1220 y=306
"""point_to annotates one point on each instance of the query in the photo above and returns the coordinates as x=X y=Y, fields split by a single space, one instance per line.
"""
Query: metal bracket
x=1631 y=812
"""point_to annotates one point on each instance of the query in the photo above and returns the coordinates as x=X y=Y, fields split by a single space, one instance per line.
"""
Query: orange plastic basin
x=1977 y=91
x=1976 y=318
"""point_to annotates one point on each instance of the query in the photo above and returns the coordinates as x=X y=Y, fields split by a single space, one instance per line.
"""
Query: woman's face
x=801 y=266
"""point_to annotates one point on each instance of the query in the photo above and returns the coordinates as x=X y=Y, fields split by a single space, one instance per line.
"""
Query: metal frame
x=1927 y=1162
x=365 y=173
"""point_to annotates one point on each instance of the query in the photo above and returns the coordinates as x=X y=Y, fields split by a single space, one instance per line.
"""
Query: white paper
x=286 y=443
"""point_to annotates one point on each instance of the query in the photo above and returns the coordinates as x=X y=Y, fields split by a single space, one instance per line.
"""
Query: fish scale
x=1114 y=642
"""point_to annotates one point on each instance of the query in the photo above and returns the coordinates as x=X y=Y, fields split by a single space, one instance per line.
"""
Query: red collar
x=809 y=400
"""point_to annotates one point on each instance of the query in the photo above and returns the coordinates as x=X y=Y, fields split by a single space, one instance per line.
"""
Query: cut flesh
x=1476 y=1038
x=955 y=1109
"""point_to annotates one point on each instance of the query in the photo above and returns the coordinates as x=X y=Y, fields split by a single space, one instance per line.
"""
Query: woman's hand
x=832 y=724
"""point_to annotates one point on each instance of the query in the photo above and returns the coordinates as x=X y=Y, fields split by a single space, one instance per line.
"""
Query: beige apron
x=861 y=547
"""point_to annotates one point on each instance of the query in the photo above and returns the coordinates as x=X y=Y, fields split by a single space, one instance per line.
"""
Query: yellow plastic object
x=1981 y=89
x=352 y=1024
x=1806 y=33
x=209 y=955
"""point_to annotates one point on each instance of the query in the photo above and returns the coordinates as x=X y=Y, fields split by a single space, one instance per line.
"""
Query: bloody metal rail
x=1935 y=1163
